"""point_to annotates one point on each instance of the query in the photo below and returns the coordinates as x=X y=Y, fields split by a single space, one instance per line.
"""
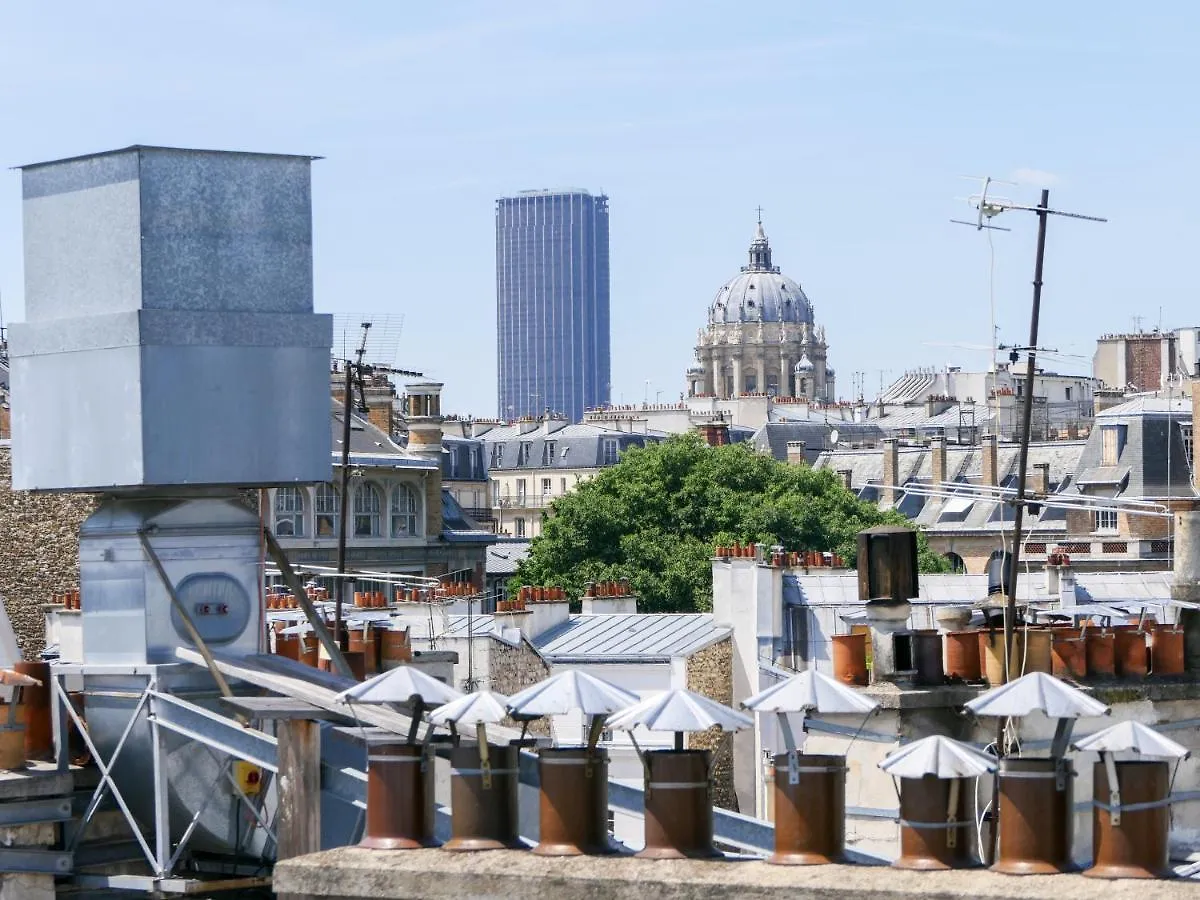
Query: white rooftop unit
x=169 y=337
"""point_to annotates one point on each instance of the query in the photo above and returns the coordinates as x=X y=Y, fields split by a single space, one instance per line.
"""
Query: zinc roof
x=638 y=637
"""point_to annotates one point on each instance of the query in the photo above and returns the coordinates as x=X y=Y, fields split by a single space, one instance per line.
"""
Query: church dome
x=760 y=293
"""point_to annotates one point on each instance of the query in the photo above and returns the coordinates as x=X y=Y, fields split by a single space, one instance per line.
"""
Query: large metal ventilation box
x=169 y=338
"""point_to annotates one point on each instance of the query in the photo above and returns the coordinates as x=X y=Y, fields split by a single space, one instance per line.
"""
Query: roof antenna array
x=988 y=206
x=985 y=206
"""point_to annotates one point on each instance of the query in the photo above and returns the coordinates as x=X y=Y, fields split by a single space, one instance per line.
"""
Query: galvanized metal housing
x=169 y=335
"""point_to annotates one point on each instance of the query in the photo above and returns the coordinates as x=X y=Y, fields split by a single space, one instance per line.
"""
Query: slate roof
x=1110 y=588
x=1150 y=426
x=631 y=637
x=503 y=558
x=578 y=446
x=964 y=465
x=370 y=446
x=773 y=437
x=464 y=460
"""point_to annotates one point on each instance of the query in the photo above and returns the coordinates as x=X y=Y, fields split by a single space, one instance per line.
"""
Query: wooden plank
x=299 y=828
x=281 y=708
x=293 y=679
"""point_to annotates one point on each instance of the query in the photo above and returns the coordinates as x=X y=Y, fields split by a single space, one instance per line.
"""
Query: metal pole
x=343 y=584
x=1010 y=611
x=292 y=580
x=1010 y=608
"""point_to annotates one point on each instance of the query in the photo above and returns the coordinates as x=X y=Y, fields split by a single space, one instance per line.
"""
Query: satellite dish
x=833 y=437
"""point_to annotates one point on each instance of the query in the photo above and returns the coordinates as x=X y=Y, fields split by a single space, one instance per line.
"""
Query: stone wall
x=710 y=672
x=39 y=552
x=514 y=668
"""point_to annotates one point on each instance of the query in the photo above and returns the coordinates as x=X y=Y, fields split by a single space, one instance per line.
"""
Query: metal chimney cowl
x=169 y=338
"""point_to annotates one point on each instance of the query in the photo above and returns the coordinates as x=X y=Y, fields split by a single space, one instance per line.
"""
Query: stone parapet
x=351 y=873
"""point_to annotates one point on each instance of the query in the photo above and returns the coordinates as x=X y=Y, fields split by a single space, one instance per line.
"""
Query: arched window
x=368 y=511
x=289 y=512
x=956 y=563
x=326 y=508
x=404 y=512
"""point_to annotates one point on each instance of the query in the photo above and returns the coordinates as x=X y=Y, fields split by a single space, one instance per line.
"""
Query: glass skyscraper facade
x=552 y=326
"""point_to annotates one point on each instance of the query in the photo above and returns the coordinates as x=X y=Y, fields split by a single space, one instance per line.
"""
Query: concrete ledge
x=351 y=873
x=39 y=779
x=1181 y=687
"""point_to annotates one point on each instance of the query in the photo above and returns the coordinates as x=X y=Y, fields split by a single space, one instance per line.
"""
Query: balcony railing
x=524 y=501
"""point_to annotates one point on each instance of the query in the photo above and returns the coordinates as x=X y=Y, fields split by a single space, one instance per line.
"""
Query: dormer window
x=1112 y=442
x=523 y=453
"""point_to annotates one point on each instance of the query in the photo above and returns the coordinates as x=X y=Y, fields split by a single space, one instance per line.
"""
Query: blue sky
x=848 y=123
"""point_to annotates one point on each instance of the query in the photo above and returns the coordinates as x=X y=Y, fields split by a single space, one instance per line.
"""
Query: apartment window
x=1112 y=441
x=368 y=511
x=1106 y=520
x=452 y=463
x=1068 y=392
x=546 y=489
x=563 y=486
x=521 y=491
x=289 y=512
x=519 y=527
x=608 y=451
x=523 y=453
x=495 y=492
x=497 y=455
x=1186 y=433
x=404 y=512
x=326 y=507
x=548 y=453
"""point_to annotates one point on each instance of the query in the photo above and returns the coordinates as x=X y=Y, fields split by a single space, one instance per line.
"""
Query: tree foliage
x=656 y=516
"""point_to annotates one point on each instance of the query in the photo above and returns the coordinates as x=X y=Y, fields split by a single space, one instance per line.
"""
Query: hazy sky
x=848 y=122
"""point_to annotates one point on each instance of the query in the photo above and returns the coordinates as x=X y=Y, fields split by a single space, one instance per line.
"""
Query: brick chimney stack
x=1041 y=478
x=891 y=471
x=795 y=453
x=937 y=453
x=990 y=465
x=715 y=434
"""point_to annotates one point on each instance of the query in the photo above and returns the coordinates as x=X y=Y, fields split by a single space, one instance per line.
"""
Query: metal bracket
x=952 y=813
x=58 y=695
x=1114 y=790
x=42 y=809
x=23 y=859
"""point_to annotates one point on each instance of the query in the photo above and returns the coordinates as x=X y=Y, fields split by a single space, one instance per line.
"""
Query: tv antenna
x=988 y=206
x=985 y=206
x=357 y=371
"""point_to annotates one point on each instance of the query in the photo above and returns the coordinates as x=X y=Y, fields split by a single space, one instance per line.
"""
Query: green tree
x=657 y=515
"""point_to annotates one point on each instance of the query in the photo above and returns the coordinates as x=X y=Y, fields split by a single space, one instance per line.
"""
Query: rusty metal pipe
x=935 y=826
x=399 y=797
x=1134 y=844
x=573 y=802
x=483 y=799
x=1035 y=816
x=810 y=809
x=679 y=816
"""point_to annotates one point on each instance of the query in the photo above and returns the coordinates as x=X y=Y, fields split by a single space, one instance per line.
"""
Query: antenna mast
x=991 y=207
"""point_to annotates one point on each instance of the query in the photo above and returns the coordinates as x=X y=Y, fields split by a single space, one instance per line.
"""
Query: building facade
x=533 y=462
x=552 y=294
x=401 y=517
x=1140 y=361
x=761 y=337
x=1109 y=499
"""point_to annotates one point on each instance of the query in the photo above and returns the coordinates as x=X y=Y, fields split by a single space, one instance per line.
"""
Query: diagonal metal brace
x=106 y=779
